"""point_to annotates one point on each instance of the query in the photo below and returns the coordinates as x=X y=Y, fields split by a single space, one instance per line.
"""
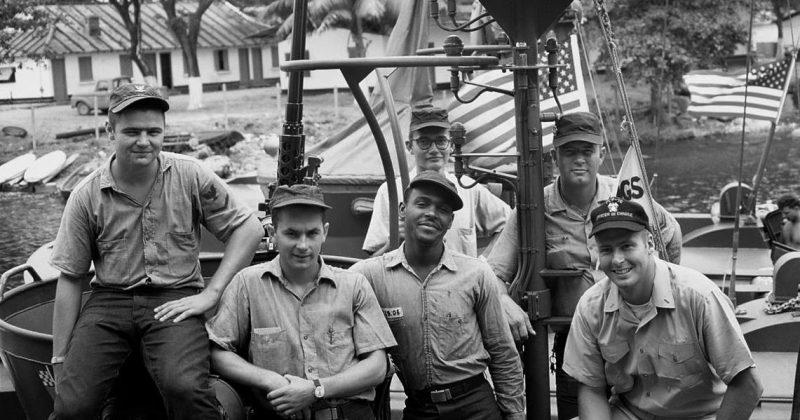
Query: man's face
x=427 y=215
x=626 y=258
x=428 y=155
x=578 y=162
x=791 y=214
x=299 y=233
x=138 y=135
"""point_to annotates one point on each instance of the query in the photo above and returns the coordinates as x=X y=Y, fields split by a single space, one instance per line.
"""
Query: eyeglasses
x=425 y=143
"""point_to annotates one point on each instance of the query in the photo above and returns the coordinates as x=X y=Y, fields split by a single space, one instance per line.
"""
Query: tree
x=18 y=16
x=132 y=21
x=185 y=25
x=660 y=40
x=358 y=16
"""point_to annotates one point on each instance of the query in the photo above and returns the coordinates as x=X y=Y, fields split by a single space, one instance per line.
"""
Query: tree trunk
x=133 y=24
x=356 y=31
x=776 y=7
x=656 y=102
x=186 y=29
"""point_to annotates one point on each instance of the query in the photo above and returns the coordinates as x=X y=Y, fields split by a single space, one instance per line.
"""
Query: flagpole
x=763 y=162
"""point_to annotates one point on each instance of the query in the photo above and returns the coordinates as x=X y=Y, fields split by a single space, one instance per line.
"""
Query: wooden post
x=225 y=103
x=33 y=126
x=96 y=121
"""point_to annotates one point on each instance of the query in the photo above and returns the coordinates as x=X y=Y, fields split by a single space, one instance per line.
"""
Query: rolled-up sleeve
x=378 y=231
x=370 y=330
x=222 y=212
x=491 y=212
x=670 y=233
x=230 y=326
x=503 y=257
x=72 y=250
x=723 y=340
x=505 y=365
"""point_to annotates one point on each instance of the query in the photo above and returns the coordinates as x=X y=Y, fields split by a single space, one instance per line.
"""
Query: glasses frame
x=447 y=143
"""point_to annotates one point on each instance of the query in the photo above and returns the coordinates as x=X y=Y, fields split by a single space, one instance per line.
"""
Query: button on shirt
x=661 y=365
x=449 y=326
x=567 y=232
x=483 y=214
x=314 y=336
x=152 y=243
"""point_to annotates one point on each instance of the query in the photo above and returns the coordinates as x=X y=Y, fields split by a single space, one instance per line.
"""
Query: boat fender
x=785 y=277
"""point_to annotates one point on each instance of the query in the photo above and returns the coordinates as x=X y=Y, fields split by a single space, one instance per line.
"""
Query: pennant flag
x=722 y=95
x=631 y=185
x=490 y=119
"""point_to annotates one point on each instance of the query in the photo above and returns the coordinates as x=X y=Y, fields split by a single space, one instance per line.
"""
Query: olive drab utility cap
x=297 y=195
x=616 y=213
x=125 y=95
x=578 y=126
x=429 y=116
x=439 y=181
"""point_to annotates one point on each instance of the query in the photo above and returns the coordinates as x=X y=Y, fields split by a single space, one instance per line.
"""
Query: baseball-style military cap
x=439 y=181
x=298 y=194
x=429 y=116
x=125 y=95
x=617 y=213
x=578 y=126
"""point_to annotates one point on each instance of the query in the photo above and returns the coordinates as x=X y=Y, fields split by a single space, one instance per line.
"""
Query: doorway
x=166 y=69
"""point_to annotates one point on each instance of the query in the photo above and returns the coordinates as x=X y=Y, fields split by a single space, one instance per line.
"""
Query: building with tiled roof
x=89 y=42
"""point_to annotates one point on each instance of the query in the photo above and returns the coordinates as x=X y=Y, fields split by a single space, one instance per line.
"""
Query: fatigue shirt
x=449 y=326
x=483 y=214
x=661 y=365
x=567 y=241
x=155 y=243
x=314 y=336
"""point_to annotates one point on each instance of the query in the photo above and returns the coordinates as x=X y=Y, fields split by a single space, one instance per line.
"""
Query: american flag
x=722 y=95
x=490 y=121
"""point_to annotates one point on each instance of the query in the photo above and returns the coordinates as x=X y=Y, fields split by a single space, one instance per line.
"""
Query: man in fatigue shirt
x=308 y=336
x=138 y=218
x=444 y=310
x=662 y=337
x=577 y=152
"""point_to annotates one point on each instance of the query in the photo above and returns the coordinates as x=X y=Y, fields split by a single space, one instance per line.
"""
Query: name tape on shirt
x=393 y=313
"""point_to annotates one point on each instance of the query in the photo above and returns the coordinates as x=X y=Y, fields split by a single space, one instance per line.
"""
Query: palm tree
x=358 y=16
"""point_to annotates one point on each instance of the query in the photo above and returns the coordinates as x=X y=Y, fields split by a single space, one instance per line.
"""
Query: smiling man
x=444 y=310
x=663 y=338
x=308 y=338
x=578 y=153
x=138 y=219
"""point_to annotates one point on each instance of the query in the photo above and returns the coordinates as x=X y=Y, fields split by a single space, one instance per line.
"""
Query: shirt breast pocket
x=183 y=252
x=557 y=245
x=339 y=348
x=680 y=362
x=114 y=258
x=614 y=357
x=269 y=348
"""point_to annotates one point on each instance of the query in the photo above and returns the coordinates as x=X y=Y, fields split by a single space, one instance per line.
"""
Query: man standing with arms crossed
x=138 y=219
x=443 y=308
x=308 y=336
x=652 y=332
x=578 y=153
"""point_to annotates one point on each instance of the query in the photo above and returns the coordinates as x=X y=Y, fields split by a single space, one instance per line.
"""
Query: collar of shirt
x=107 y=180
x=554 y=203
x=398 y=257
x=662 y=290
x=273 y=268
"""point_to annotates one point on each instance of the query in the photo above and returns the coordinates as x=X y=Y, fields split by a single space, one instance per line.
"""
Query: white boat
x=45 y=167
x=14 y=169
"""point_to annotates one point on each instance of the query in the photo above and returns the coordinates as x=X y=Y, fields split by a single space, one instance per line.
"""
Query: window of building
x=93 y=25
x=85 y=69
x=221 y=60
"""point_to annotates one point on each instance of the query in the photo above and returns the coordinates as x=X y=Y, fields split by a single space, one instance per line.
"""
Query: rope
x=582 y=43
x=627 y=124
x=792 y=304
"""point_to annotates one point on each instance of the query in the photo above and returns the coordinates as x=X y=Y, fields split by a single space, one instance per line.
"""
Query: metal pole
x=96 y=120
x=33 y=126
x=225 y=103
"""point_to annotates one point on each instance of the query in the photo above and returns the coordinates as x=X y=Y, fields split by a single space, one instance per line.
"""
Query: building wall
x=33 y=81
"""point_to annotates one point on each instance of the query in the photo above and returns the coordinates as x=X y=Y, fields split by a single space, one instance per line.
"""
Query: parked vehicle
x=84 y=102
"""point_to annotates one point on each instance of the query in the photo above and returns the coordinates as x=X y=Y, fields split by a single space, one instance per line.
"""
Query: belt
x=341 y=410
x=447 y=392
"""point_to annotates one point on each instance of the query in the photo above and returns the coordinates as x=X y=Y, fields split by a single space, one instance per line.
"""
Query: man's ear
x=109 y=130
x=602 y=153
x=408 y=145
x=325 y=230
x=271 y=230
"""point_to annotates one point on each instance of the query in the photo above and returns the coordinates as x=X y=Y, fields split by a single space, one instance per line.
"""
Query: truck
x=84 y=102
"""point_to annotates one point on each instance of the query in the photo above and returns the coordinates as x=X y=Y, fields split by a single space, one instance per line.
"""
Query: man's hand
x=518 y=320
x=186 y=307
x=293 y=399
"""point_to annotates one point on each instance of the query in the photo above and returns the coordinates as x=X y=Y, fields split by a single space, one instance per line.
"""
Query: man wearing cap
x=443 y=308
x=138 y=219
x=483 y=215
x=663 y=338
x=578 y=153
x=789 y=206
x=308 y=338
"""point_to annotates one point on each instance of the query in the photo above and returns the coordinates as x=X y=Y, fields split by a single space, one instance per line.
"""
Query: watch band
x=319 y=390
x=57 y=360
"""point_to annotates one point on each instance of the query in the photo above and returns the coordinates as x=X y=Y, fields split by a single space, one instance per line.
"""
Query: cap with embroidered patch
x=297 y=195
x=429 y=116
x=439 y=181
x=578 y=126
x=617 y=213
x=126 y=95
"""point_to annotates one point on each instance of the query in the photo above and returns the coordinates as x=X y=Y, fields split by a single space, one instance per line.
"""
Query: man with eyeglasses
x=483 y=215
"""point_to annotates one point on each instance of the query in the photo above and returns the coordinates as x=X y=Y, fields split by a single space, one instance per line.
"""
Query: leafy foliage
x=375 y=16
x=18 y=16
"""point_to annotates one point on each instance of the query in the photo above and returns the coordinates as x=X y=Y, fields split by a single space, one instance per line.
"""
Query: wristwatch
x=319 y=390
x=56 y=360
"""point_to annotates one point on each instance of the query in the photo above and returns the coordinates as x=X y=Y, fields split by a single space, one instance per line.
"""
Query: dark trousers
x=476 y=404
x=111 y=326
x=566 y=386
x=348 y=410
